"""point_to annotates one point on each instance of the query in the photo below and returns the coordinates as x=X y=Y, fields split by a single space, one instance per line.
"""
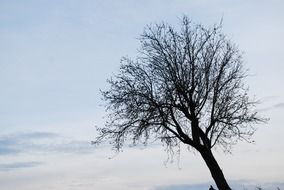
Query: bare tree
x=186 y=86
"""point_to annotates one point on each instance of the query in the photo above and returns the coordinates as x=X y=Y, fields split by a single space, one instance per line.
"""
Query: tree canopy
x=185 y=86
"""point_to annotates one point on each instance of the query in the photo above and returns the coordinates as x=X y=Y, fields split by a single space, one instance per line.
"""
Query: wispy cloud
x=18 y=165
x=279 y=105
x=185 y=187
x=41 y=142
x=36 y=135
x=8 y=150
x=16 y=143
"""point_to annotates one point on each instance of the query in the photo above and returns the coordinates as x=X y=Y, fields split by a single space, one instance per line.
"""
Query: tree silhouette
x=186 y=86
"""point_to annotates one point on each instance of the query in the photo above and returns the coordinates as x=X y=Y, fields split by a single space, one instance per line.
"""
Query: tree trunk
x=215 y=170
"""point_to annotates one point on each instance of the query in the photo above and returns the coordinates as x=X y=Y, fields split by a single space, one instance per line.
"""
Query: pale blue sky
x=56 y=55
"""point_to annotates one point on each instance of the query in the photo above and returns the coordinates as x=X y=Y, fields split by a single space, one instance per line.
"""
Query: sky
x=55 y=56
